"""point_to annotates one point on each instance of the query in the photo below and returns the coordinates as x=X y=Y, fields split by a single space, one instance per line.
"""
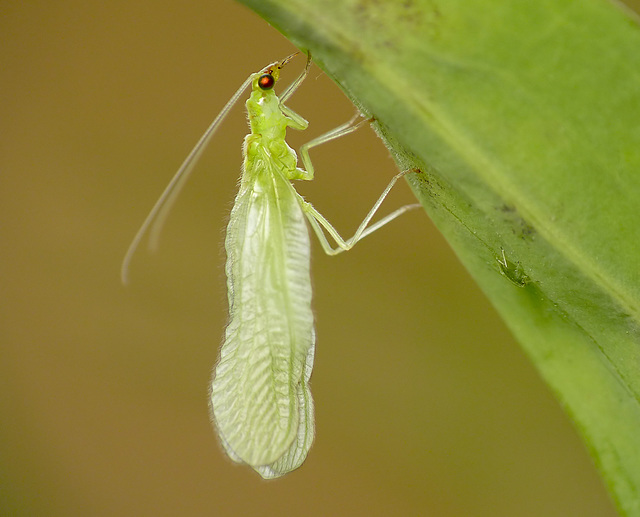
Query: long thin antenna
x=156 y=218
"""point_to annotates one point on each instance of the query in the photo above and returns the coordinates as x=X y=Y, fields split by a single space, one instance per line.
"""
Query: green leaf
x=524 y=120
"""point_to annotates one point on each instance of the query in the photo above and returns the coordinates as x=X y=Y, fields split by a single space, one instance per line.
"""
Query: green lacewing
x=261 y=404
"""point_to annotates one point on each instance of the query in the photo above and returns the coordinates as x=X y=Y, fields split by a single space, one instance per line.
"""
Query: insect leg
x=342 y=130
x=318 y=221
x=294 y=85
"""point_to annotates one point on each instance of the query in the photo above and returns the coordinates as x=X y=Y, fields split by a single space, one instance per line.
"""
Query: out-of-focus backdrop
x=425 y=404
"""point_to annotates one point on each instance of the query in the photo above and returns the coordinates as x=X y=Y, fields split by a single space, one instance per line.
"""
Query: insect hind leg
x=319 y=222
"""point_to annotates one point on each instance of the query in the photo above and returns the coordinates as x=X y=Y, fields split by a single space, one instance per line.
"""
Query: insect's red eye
x=266 y=82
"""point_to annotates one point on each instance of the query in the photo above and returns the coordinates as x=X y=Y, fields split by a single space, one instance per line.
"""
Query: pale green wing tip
x=254 y=442
x=295 y=454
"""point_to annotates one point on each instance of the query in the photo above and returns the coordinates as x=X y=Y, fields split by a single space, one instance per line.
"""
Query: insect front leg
x=319 y=222
x=295 y=84
x=295 y=121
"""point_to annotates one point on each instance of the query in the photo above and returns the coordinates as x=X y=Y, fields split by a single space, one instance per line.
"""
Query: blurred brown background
x=425 y=405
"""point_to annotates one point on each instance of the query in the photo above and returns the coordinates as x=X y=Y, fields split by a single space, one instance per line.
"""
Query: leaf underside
x=524 y=120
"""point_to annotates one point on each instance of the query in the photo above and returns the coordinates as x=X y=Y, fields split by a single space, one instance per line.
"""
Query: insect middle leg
x=342 y=130
x=319 y=222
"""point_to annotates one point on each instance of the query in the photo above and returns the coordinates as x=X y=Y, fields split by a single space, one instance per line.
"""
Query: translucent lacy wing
x=260 y=396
